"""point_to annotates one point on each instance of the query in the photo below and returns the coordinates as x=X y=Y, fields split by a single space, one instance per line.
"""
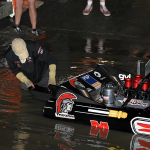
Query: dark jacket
x=36 y=64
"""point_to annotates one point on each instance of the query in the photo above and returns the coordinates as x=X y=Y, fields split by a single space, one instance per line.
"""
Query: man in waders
x=31 y=63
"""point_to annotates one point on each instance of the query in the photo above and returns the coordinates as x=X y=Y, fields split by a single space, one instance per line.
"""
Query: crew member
x=31 y=63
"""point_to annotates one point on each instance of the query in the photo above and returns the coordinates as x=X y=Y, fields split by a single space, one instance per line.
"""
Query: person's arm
x=52 y=74
x=46 y=56
x=12 y=66
x=17 y=72
x=24 y=79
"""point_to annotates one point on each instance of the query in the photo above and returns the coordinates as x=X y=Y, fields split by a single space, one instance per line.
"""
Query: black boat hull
x=84 y=99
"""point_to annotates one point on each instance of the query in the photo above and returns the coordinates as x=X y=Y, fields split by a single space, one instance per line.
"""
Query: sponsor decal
x=140 y=125
x=79 y=84
x=64 y=105
x=29 y=59
x=17 y=63
x=105 y=97
x=101 y=128
x=63 y=86
x=74 y=82
x=88 y=89
x=102 y=78
x=134 y=102
x=40 y=51
x=97 y=74
x=123 y=76
x=90 y=80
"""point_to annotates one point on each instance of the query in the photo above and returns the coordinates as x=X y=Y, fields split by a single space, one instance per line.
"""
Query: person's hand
x=49 y=87
x=24 y=79
x=32 y=85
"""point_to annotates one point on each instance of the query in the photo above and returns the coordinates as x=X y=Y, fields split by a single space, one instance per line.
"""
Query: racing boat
x=105 y=97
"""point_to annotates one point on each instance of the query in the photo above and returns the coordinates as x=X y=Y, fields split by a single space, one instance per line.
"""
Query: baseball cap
x=19 y=48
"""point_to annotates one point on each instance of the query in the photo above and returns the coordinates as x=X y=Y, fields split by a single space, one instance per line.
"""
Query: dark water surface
x=22 y=124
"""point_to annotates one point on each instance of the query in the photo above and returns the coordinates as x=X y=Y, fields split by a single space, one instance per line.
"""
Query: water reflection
x=64 y=133
x=20 y=140
x=140 y=142
x=75 y=55
x=99 y=45
x=67 y=138
x=140 y=52
x=10 y=95
x=111 y=47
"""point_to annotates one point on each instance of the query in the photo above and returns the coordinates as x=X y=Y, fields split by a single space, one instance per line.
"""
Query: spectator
x=32 y=14
x=89 y=8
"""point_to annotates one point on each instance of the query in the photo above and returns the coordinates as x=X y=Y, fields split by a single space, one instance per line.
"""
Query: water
x=22 y=124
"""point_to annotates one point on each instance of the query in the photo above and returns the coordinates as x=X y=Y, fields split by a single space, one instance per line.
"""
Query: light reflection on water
x=68 y=137
x=10 y=96
x=21 y=115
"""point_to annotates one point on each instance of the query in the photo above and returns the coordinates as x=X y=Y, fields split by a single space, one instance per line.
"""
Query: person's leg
x=18 y=13
x=88 y=7
x=23 y=86
x=103 y=8
x=33 y=15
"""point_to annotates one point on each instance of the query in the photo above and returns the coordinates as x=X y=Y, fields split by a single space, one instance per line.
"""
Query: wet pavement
x=79 y=43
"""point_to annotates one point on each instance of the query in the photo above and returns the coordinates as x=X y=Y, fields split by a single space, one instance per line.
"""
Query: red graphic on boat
x=72 y=82
x=146 y=127
x=140 y=125
x=101 y=128
x=64 y=105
